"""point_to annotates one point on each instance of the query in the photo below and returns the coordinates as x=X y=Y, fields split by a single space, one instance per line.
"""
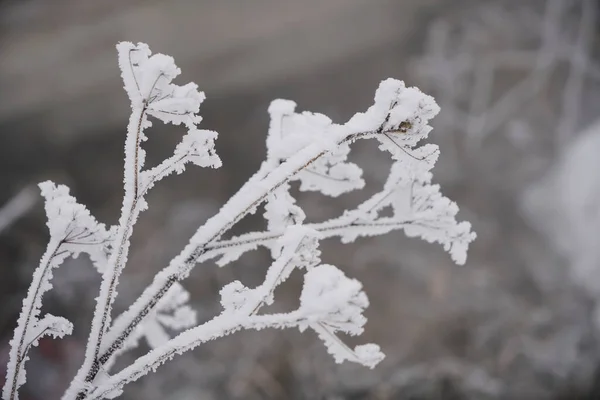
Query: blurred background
x=519 y=86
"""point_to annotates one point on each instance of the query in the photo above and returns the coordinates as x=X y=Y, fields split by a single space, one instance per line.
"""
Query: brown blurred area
x=511 y=324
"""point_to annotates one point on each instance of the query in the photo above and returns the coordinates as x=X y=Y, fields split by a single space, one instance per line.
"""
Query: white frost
x=332 y=302
x=72 y=231
x=305 y=147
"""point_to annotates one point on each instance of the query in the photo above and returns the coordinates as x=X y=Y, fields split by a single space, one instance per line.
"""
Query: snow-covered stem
x=328 y=229
x=147 y=81
x=72 y=231
x=31 y=309
x=352 y=224
x=116 y=262
x=303 y=147
x=219 y=326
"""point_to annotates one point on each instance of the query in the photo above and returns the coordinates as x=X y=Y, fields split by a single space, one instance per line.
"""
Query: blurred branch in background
x=17 y=206
x=468 y=63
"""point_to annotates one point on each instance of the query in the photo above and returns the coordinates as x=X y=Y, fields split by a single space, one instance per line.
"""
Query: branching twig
x=305 y=147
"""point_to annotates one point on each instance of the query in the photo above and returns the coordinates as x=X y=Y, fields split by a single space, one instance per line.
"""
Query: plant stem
x=33 y=300
x=118 y=258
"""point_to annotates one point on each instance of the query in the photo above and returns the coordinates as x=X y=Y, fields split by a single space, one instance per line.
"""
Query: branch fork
x=304 y=147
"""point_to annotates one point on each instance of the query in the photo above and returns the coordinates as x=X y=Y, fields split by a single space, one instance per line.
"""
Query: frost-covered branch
x=329 y=302
x=147 y=81
x=427 y=214
x=304 y=147
x=72 y=231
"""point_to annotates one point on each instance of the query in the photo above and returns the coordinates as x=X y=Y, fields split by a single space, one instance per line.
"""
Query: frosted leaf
x=368 y=355
x=281 y=210
x=398 y=191
x=234 y=296
x=279 y=110
x=400 y=116
x=331 y=174
x=50 y=325
x=399 y=109
x=147 y=80
x=131 y=57
x=71 y=222
x=419 y=159
x=331 y=298
x=198 y=147
x=333 y=302
x=57 y=327
x=418 y=207
x=73 y=225
x=436 y=216
x=176 y=104
x=289 y=131
x=29 y=327
x=72 y=231
x=99 y=255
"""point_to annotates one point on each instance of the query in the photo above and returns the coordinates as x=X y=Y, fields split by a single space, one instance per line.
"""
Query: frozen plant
x=305 y=147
